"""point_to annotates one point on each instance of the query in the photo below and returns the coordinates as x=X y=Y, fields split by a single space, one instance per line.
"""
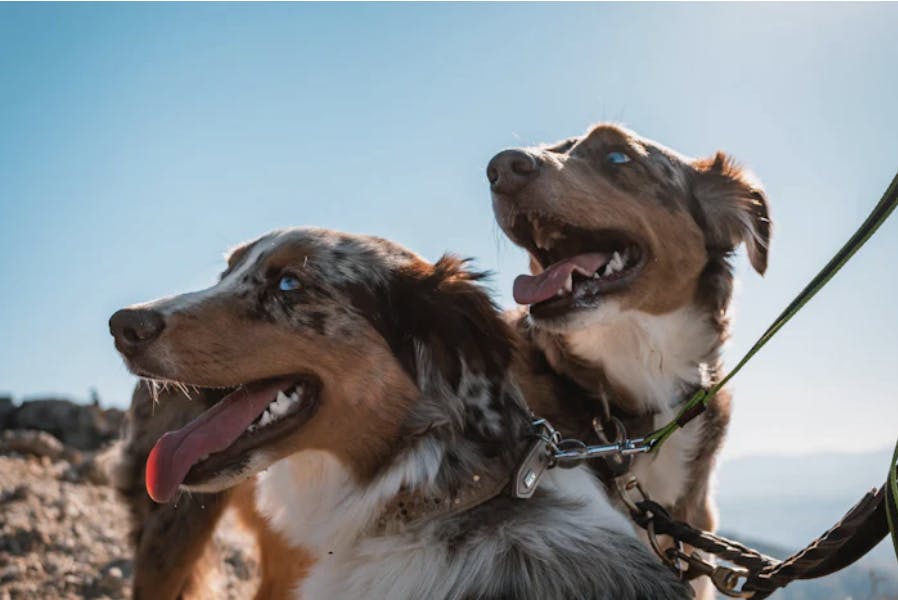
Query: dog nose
x=511 y=170
x=134 y=328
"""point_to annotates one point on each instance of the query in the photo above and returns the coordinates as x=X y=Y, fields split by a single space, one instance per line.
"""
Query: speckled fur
x=647 y=347
x=443 y=402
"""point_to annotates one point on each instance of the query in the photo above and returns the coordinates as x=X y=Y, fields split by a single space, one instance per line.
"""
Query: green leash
x=700 y=399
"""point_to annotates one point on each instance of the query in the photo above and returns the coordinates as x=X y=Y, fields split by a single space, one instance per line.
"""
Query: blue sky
x=138 y=142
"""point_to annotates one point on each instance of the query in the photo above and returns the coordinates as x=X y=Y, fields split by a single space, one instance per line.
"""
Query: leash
x=755 y=575
x=699 y=401
x=865 y=524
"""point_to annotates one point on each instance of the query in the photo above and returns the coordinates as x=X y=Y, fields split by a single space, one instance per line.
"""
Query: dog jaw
x=241 y=331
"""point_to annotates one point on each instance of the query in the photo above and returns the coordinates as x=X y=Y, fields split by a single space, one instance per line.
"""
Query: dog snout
x=510 y=170
x=135 y=328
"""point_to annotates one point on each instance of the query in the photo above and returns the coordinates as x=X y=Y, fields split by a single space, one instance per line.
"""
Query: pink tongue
x=530 y=289
x=213 y=431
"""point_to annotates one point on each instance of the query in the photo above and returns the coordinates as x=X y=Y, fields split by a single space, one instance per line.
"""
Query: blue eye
x=288 y=283
x=617 y=158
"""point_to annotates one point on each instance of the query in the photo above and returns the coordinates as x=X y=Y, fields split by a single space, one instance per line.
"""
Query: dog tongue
x=530 y=289
x=213 y=431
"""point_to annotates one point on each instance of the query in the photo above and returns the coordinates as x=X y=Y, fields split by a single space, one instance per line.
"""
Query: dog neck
x=459 y=442
x=651 y=361
x=316 y=502
x=487 y=550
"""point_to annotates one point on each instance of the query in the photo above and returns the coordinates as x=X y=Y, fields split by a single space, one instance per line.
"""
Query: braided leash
x=760 y=575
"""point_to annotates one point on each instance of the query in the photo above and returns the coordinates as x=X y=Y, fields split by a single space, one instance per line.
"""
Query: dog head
x=326 y=341
x=615 y=222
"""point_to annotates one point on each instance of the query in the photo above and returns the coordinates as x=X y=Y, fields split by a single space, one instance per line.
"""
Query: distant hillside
x=788 y=501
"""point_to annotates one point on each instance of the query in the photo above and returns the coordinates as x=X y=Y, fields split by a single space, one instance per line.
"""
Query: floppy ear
x=734 y=207
x=443 y=308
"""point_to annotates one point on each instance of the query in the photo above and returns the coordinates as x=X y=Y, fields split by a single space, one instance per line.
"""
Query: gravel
x=64 y=531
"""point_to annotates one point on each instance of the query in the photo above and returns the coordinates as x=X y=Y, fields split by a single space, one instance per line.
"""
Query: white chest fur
x=656 y=358
x=312 y=500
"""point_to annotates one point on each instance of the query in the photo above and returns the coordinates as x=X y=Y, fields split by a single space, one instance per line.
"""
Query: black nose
x=511 y=170
x=134 y=328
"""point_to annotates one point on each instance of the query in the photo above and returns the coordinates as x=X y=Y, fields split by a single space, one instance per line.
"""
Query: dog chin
x=604 y=313
x=228 y=478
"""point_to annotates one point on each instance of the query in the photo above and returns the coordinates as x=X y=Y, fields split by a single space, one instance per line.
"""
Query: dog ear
x=734 y=208
x=443 y=307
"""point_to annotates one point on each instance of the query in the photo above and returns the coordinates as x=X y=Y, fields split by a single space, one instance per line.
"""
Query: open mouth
x=220 y=439
x=579 y=265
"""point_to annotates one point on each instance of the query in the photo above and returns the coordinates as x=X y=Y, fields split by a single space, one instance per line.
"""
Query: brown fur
x=688 y=216
x=281 y=567
x=366 y=371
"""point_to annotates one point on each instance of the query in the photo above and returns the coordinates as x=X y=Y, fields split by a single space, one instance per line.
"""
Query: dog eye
x=617 y=157
x=288 y=283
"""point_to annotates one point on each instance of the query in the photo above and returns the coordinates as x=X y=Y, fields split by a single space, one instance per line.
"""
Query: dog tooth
x=617 y=261
x=285 y=407
x=569 y=283
x=596 y=275
x=559 y=293
x=266 y=419
x=539 y=237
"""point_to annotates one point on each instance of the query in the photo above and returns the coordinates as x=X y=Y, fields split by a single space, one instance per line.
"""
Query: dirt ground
x=64 y=532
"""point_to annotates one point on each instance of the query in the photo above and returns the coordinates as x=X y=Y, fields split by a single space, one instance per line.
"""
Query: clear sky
x=138 y=142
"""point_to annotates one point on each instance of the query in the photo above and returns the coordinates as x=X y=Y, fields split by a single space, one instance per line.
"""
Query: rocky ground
x=63 y=530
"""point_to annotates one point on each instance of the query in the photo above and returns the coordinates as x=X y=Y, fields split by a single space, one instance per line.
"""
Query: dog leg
x=171 y=557
x=174 y=557
x=282 y=566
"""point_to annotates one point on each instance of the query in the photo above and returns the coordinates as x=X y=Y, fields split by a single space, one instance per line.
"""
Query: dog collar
x=409 y=506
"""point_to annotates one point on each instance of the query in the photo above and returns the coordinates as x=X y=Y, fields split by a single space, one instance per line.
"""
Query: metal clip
x=726 y=580
x=620 y=463
x=581 y=452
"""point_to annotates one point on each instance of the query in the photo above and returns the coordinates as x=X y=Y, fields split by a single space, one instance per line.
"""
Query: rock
x=21 y=541
x=10 y=572
x=64 y=532
x=111 y=581
x=81 y=426
x=38 y=443
x=6 y=410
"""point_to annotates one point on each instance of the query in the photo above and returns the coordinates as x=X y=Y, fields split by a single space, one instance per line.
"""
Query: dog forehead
x=609 y=134
x=337 y=255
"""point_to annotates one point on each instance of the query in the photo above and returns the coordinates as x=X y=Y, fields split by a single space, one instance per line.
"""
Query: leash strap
x=891 y=501
x=855 y=534
x=696 y=404
x=852 y=537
